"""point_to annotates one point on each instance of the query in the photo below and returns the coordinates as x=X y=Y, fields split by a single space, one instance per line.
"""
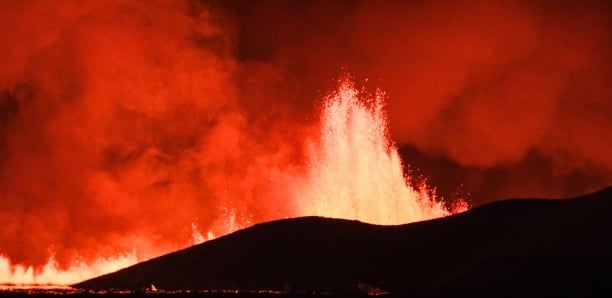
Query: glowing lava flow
x=50 y=274
x=355 y=171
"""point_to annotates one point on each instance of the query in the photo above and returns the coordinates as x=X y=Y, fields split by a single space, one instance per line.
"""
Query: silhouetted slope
x=554 y=246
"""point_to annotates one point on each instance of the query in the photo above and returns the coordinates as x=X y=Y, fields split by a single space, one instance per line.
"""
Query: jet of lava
x=355 y=171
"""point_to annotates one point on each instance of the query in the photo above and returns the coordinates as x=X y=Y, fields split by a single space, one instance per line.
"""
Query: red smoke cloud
x=492 y=92
x=123 y=122
x=121 y=125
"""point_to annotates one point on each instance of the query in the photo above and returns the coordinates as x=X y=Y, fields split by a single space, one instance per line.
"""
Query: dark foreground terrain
x=521 y=247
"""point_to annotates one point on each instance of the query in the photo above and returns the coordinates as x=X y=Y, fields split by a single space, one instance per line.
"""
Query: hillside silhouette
x=512 y=247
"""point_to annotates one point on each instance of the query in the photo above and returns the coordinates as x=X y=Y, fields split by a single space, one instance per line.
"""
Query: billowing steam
x=121 y=125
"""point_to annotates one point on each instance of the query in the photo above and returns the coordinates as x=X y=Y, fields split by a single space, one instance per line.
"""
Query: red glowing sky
x=129 y=118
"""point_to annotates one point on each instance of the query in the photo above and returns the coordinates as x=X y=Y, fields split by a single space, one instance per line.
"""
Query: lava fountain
x=355 y=171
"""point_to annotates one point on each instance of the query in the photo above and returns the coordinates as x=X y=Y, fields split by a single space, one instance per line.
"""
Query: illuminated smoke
x=481 y=94
x=354 y=170
x=120 y=126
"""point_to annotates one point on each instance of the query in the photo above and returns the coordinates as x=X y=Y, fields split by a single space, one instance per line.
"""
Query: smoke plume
x=122 y=124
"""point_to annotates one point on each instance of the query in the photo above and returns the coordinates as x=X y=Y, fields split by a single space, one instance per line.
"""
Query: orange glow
x=51 y=274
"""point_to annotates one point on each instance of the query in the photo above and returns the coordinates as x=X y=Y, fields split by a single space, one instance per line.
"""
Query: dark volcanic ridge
x=518 y=246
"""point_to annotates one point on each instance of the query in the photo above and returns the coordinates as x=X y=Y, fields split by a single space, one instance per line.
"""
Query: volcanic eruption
x=130 y=129
x=353 y=172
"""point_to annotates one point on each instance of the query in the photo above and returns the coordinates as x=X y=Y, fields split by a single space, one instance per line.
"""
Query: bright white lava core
x=355 y=171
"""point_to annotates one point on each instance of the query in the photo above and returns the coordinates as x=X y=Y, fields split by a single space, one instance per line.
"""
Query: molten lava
x=51 y=274
x=355 y=171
